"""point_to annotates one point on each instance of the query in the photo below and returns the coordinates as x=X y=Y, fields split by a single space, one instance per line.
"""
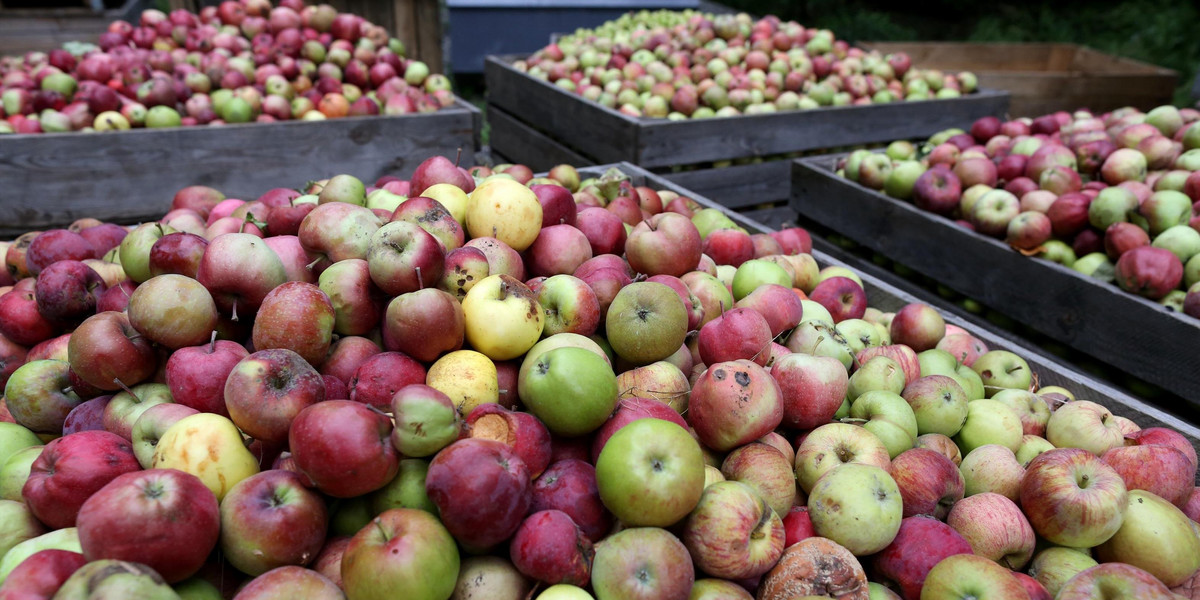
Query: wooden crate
x=1136 y=335
x=891 y=296
x=601 y=135
x=418 y=23
x=43 y=29
x=126 y=177
x=1045 y=78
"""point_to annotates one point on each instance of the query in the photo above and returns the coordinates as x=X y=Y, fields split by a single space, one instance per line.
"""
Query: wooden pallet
x=1136 y=335
x=893 y=295
x=128 y=176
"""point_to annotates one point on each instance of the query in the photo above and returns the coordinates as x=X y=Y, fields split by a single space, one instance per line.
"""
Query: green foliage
x=1161 y=33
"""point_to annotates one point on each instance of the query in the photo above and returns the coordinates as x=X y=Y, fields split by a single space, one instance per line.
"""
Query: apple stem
x=212 y=343
x=852 y=420
x=458 y=157
x=234 y=311
x=503 y=290
x=68 y=389
x=420 y=281
x=310 y=266
x=117 y=380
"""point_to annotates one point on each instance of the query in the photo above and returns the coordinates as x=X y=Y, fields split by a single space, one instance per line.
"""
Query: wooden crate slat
x=131 y=176
x=1134 y=334
x=890 y=294
x=739 y=186
x=522 y=144
x=603 y=134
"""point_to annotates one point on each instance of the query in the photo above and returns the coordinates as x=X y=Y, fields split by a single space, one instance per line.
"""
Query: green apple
x=403 y=549
x=815 y=311
x=937 y=362
x=878 y=592
x=989 y=422
x=833 y=444
x=971 y=383
x=718 y=589
x=111 y=578
x=564 y=591
x=755 y=273
x=820 y=338
x=405 y=490
x=900 y=182
x=880 y=373
x=650 y=473
x=938 y=403
x=836 y=271
x=59 y=539
x=1031 y=447
x=1029 y=407
x=162 y=116
x=1056 y=565
x=385 y=200
x=196 y=588
x=646 y=322
x=17 y=524
x=1001 y=369
x=502 y=317
x=1115 y=581
x=708 y=220
x=964 y=576
x=14 y=437
x=1154 y=536
x=561 y=340
x=860 y=334
x=848 y=498
x=572 y=390
x=15 y=470
x=889 y=417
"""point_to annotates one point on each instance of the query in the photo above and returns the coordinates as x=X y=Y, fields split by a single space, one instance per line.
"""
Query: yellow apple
x=208 y=446
x=467 y=377
x=502 y=317
x=564 y=591
x=505 y=210
x=452 y=197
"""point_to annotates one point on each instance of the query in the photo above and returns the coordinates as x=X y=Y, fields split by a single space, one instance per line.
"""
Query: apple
x=642 y=563
x=995 y=528
x=1084 y=424
x=920 y=544
x=650 y=473
x=425 y=420
x=38 y=396
x=646 y=322
x=832 y=445
x=165 y=519
x=506 y=210
x=1116 y=580
x=971 y=576
x=344 y=447
x=481 y=489
x=937 y=190
x=766 y=470
x=992 y=468
x=42 y=574
x=811 y=388
x=838 y=507
x=551 y=548
x=887 y=415
x=664 y=244
x=149 y=427
x=424 y=324
x=107 y=352
x=843 y=297
x=1160 y=469
x=266 y=390
x=208 y=446
x=572 y=390
x=402 y=549
x=1149 y=271
x=1072 y=498
x=570 y=485
x=738 y=333
x=503 y=318
x=270 y=520
x=989 y=422
x=939 y=404
x=295 y=316
x=524 y=433
x=492 y=577
x=929 y=483
x=734 y=403
x=467 y=377
x=733 y=533
x=196 y=375
x=72 y=468
x=814 y=566
x=1155 y=536
x=1054 y=566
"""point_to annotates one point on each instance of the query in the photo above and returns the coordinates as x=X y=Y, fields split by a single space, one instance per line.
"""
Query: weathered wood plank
x=600 y=133
x=889 y=293
x=1129 y=332
x=739 y=186
x=523 y=144
x=131 y=176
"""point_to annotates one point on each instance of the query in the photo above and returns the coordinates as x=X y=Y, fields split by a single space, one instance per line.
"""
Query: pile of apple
x=681 y=65
x=487 y=385
x=241 y=61
x=1114 y=196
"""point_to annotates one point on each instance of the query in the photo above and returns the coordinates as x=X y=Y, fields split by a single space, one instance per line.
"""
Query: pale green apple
x=878 y=592
x=1029 y=407
x=1084 y=424
x=17 y=524
x=937 y=362
x=755 y=273
x=971 y=383
x=111 y=578
x=1001 y=369
x=15 y=470
x=1031 y=447
x=59 y=539
x=405 y=490
x=889 y=417
x=849 y=498
x=989 y=422
x=834 y=444
x=564 y=591
x=1154 y=536
x=196 y=588
x=650 y=473
x=502 y=317
x=815 y=311
x=1056 y=565
x=879 y=373
x=939 y=404
x=819 y=338
x=964 y=576
x=860 y=334
x=572 y=390
x=646 y=322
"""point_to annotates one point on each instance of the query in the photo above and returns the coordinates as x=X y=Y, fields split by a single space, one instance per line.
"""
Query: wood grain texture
x=1047 y=77
x=1132 y=333
x=520 y=143
x=131 y=176
x=889 y=293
